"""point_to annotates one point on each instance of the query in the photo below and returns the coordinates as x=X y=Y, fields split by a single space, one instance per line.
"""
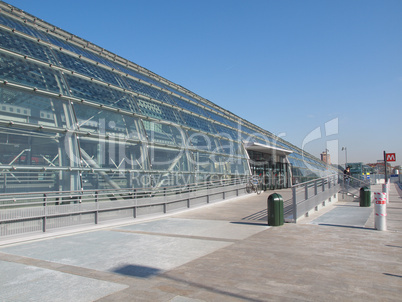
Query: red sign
x=390 y=157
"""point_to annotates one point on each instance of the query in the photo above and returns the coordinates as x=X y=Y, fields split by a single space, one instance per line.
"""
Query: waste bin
x=275 y=210
x=365 y=197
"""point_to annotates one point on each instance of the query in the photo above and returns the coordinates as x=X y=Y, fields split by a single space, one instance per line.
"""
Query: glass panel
x=248 y=130
x=76 y=49
x=159 y=111
x=231 y=148
x=206 y=163
x=86 y=53
x=24 y=46
x=25 y=72
x=90 y=70
x=99 y=180
x=149 y=91
x=170 y=160
x=87 y=90
x=138 y=75
x=30 y=181
x=226 y=132
x=221 y=119
x=231 y=165
x=202 y=141
x=33 y=108
x=112 y=154
x=197 y=123
x=33 y=148
x=106 y=122
x=164 y=133
x=11 y=23
x=160 y=180
x=24 y=149
x=191 y=107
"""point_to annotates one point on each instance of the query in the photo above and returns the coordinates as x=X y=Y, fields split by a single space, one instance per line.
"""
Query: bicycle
x=253 y=185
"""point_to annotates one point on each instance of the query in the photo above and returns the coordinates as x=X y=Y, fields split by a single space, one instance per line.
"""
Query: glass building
x=75 y=116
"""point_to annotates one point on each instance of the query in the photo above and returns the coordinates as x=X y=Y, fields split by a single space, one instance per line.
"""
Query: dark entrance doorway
x=274 y=174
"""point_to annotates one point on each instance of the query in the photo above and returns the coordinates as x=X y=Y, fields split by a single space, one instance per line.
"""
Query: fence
x=352 y=186
x=46 y=211
x=309 y=195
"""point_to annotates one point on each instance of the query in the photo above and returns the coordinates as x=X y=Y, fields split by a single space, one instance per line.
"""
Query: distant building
x=326 y=157
x=378 y=167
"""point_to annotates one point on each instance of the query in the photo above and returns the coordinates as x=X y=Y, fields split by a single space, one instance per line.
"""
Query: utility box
x=275 y=210
x=365 y=197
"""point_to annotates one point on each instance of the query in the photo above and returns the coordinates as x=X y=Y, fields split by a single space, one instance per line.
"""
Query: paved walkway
x=220 y=252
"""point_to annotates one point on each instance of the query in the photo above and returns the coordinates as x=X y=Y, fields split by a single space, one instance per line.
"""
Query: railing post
x=97 y=207
x=294 y=204
x=5 y=183
x=306 y=191
x=207 y=192
x=44 y=212
x=315 y=187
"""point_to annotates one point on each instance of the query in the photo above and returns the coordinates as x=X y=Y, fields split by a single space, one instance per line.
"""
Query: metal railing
x=351 y=185
x=22 y=213
x=309 y=195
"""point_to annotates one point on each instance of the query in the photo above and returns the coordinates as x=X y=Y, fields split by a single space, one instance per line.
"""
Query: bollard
x=275 y=210
x=380 y=222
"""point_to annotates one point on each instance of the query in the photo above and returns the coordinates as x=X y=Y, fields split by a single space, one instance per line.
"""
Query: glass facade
x=75 y=116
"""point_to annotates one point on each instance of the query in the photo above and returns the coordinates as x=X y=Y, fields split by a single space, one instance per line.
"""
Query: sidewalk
x=220 y=252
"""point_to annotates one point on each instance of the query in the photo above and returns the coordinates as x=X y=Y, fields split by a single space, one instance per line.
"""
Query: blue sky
x=321 y=74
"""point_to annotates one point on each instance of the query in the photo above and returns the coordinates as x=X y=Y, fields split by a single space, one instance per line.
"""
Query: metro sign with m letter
x=390 y=157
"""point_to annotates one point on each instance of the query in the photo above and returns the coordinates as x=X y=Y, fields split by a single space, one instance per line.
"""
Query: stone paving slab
x=29 y=283
x=119 y=252
x=322 y=265
x=347 y=214
x=194 y=256
x=198 y=228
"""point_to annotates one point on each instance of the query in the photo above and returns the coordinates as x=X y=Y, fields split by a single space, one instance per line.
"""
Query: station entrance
x=271 y=165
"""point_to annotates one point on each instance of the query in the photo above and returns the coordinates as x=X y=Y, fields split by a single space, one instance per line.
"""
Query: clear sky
x=321 y=74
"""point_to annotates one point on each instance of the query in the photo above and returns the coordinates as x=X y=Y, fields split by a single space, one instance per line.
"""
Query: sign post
x=385 y=166
x=388 y=157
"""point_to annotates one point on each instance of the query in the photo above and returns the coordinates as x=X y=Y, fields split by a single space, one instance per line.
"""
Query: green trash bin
x=275 y=210
x=365 y=197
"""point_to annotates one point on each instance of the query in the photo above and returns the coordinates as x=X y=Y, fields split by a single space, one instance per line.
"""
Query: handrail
x=312 y=181
x=308 y=195
x=52 y=210
x=353 y=185
x=15 y=199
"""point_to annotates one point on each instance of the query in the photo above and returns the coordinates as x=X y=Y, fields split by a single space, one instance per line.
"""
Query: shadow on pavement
x=345 y=226
x=249 y=223
x=137 y=271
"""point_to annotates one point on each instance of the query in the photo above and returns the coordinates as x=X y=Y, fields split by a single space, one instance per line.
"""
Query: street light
x=346 y=156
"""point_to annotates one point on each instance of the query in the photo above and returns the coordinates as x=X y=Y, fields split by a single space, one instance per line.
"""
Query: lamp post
x=346 y=155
